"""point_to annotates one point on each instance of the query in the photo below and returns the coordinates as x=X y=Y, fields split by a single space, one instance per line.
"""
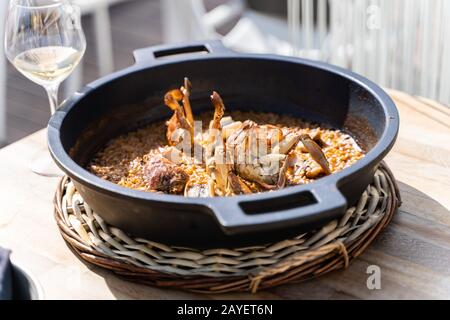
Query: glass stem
x=52 y=92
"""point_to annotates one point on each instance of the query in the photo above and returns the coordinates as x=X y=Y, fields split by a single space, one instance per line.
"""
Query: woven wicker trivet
x=224 y=270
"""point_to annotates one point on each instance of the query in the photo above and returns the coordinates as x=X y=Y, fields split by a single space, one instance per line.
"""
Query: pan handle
x=234 y=216
x=152 y=54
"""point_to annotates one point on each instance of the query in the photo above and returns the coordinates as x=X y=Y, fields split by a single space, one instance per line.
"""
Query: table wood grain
x=413 y=252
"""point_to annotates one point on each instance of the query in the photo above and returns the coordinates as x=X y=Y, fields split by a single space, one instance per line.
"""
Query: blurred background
x=401 y=44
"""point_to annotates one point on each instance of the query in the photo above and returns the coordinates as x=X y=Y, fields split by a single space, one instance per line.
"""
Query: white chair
x=403 y=44
x=254 y=32
x=99 y=9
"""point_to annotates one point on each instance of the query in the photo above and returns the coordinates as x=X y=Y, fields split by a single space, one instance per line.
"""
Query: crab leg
x=186 y=90
x=282 y=175
x=214 y=139
x=220 y=168
x=227 y=181
x=288 y=142
x=237 y=185
x=178 y=120
x=219 y=110
x=316 y=153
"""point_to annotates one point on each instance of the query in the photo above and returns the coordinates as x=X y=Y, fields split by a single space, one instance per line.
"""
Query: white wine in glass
x=45 y=42
x=47 y=65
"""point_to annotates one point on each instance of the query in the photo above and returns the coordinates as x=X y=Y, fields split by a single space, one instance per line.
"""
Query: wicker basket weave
x=225 y=270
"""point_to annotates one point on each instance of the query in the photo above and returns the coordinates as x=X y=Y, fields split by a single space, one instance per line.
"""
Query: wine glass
x=44 y=40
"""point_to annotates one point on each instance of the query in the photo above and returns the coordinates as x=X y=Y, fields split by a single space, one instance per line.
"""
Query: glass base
x=43 y=165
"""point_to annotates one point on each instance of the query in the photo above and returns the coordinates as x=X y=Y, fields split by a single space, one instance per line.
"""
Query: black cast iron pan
x=132 y=97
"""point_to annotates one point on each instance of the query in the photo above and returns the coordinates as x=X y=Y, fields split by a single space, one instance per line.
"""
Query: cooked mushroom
x=163 y=175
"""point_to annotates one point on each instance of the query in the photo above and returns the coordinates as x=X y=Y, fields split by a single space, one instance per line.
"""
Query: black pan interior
x=135 y=99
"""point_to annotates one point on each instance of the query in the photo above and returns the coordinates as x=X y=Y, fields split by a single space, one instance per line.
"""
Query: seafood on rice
x=236 y=153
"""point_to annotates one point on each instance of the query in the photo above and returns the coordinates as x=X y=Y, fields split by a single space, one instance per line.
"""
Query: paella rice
x=151 y=159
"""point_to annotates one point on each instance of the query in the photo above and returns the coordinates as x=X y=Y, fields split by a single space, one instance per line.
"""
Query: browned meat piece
x=163 y=175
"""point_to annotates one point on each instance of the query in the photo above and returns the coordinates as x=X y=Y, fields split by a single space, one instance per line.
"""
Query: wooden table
x=413 y=252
